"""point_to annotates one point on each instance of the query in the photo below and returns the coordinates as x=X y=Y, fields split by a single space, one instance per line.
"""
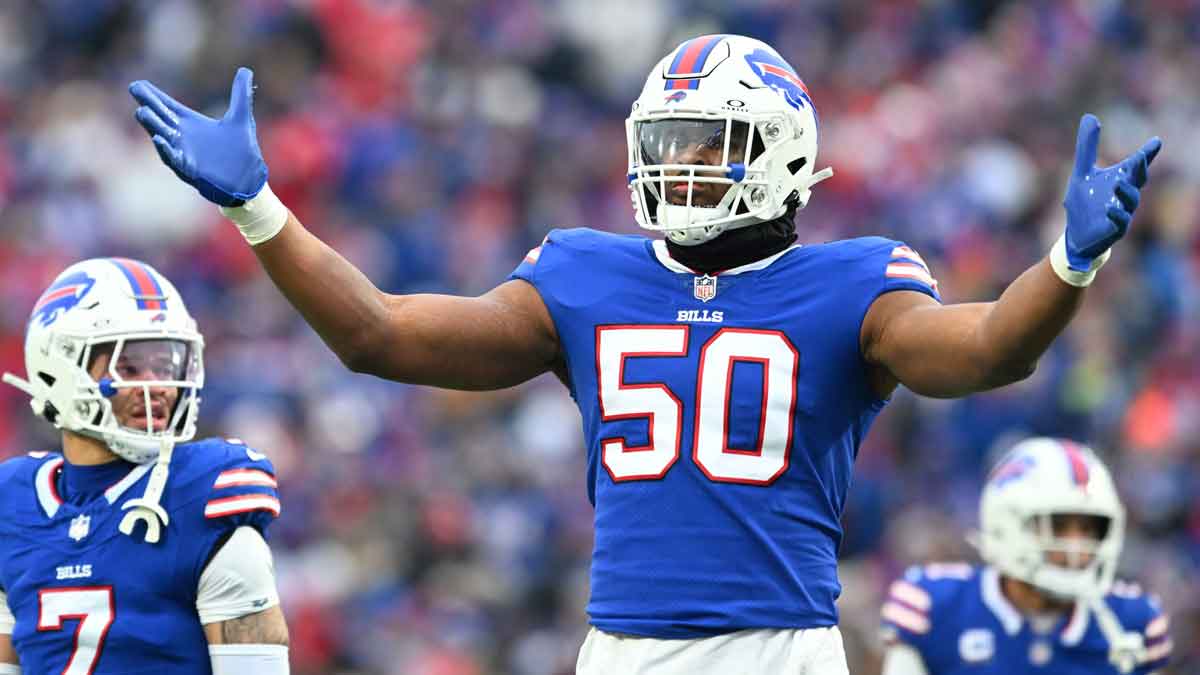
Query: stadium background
x=440 y=533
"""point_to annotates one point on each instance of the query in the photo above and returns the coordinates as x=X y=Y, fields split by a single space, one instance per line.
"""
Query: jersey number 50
x=761 y=465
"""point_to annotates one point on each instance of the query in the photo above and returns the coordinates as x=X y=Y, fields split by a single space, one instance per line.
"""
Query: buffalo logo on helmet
x=1012 y=469
x=778 y=75
x=676 y=96
x=63 y=295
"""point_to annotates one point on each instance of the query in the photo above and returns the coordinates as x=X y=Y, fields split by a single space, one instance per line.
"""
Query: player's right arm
x=496 y=340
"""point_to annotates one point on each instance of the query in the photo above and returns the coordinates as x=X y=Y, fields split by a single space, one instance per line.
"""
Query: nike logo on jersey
x=74 y=572
x=700 y=316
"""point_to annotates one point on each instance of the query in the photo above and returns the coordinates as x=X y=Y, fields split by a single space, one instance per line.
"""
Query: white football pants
x=810 y=651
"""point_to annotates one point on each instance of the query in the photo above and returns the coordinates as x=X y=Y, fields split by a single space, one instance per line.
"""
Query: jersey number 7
x=93 y=606
x=714 y=387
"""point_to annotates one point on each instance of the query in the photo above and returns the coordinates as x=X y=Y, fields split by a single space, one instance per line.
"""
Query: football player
x=1045 y=602
x=726 y=376
x=130 y=550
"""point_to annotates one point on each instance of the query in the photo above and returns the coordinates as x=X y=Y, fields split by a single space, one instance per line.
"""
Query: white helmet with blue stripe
x=1039 y=479
x=126 y=310
x=723 y=135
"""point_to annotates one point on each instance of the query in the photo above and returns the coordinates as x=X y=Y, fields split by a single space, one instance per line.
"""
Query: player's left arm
x=8 y=655
x=9 y=663
x=239 y=607
x=953 y=350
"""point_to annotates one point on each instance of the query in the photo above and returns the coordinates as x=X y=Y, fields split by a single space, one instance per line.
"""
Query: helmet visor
x=157 y=360
x=693 y=142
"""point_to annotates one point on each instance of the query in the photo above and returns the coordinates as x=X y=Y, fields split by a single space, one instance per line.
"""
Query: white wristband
x=259 y=219
x=9 y=669
x=1058 y=260
x=243 y=659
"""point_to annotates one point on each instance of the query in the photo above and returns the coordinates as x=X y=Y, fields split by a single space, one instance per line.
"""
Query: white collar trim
x=664 y=258
x=993 y=597
x=47 y=491
x=43 y=483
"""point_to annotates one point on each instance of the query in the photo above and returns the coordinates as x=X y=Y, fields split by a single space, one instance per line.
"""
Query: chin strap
x=1126 y=649
x=147 y=509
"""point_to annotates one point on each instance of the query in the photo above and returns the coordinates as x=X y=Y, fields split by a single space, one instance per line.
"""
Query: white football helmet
x=1037 y=479
x=728 y=93
x=126 y=309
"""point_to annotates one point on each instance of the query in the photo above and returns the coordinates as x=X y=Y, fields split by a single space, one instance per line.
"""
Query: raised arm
x=499 y=339
x=953 y=350
x=496 y=340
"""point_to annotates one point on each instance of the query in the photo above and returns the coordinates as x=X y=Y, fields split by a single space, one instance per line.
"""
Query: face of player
x=1081 y=533
x=141 y=361
x=693 y=142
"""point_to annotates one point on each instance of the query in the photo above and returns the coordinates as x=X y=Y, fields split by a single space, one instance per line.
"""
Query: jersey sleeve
x=900 y=268
x=557 y=266
x=242 y=491
x=921 y=607
x=907 y=612
x=527 y=269
x=1143 y=613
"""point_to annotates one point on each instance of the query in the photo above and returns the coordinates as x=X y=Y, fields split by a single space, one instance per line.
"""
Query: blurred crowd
x=427 y=532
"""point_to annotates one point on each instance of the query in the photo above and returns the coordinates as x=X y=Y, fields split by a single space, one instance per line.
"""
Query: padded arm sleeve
x=240 y=579
x=7 y=621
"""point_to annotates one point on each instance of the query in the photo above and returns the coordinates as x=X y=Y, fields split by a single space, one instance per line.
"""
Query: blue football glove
x=1100 y=202
x=220 y=158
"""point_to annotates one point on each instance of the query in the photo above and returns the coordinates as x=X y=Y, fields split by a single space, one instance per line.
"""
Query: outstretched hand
x=220 y=158
x=1100 y=202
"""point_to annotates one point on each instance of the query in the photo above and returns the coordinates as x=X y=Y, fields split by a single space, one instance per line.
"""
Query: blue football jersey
x=956 y=616
x=89 y=600
x=722 y=415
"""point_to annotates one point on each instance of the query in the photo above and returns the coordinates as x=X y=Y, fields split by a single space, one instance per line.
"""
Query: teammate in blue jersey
x=1052 y=527
x=131 y=550
x=726 y=376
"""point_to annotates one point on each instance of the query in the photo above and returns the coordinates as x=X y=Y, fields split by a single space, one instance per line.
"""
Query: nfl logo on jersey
x=705 y=288
x=79 y=527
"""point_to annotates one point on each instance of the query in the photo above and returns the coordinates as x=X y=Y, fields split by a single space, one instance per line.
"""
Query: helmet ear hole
x=47 y=378
x=795 y=165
